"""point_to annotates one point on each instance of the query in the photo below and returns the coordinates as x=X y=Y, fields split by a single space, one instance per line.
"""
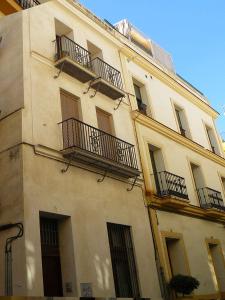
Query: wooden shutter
x=104 y=121
x=69 y=106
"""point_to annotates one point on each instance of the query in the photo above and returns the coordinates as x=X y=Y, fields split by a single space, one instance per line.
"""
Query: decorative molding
x=188 y=210
x=175 y=136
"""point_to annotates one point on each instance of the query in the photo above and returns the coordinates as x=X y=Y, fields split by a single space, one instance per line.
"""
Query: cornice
x=170 y=80
x=188 y=210
x=175 y=136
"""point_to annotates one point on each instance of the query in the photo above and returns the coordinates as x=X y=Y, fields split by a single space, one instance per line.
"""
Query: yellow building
x=112 y=169
x=183 y=165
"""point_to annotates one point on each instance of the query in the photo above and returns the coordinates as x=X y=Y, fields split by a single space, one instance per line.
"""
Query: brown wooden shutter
x=69 y=106
x=104 y=121
x=70 y=128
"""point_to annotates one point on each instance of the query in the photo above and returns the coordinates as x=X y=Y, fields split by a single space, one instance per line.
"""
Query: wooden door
x=51 y=266
x=71 y=127
x=104 y=121
x=107 y=142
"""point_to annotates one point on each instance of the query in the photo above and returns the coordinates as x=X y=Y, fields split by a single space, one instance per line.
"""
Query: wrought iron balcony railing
x=67 y=47
x=209 y=198
x=90 y=144
x=107 y=72
x=27 y=3
x=170 y=184
x=74 y=60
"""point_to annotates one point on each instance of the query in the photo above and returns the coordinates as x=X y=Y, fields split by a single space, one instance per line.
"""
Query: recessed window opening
x=141 y=97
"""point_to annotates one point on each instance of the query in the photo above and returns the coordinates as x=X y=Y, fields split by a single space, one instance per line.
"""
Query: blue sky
x=193 y=31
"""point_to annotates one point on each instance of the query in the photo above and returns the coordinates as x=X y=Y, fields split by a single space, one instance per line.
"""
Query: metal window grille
x=123 y=262
x=49 y=232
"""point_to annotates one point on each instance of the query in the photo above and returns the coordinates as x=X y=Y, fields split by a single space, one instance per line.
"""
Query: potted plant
x=183 y=284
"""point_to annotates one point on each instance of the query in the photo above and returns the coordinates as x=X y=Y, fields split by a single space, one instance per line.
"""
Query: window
x=212 y=140
x=197 y=176
x=216 y=260
x=123 y=262
x=62 y=29
x=158 y=167
x=201 y=190
x=175 y=254
x=141 y=97
x=182 y=122
x=223 y=183
x=94 y=51
x=141 y=105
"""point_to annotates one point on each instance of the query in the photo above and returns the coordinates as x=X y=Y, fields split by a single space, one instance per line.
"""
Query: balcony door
x=107 y=143
x=158 y=166
x=71 y=129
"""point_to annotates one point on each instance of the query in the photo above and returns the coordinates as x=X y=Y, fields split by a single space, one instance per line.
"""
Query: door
x=155 y=172
x=71 y=126
x=51 y=266
x=123 y=261
x=107 y=143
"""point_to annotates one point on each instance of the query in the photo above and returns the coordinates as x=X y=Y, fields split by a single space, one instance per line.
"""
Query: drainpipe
x=8 y=254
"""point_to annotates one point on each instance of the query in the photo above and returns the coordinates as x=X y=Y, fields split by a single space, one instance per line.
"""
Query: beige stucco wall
x=11 y=211
x=90 y=205
x=76 y=194
x=11 y=61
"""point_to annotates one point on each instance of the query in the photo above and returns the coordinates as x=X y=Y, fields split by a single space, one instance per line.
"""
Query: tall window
x=181 y=127
x=123 y=262
x=212 y=140
x=216 y=261
x=140 y=95
x=182 y=122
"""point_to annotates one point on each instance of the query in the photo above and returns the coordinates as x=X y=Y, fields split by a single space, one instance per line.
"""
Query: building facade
x=183 y=167
x=112 y=169
x=71 y=161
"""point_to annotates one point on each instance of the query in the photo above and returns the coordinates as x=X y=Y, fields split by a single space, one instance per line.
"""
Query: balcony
x=73 y=59
x=172 y=188
x=25 y=4
x=211 y=200
x=89 y=145
x=108 y=81
x=8 y=7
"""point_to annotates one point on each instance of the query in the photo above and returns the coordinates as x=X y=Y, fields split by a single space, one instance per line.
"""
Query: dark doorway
x=51 y=266
x=123 y=262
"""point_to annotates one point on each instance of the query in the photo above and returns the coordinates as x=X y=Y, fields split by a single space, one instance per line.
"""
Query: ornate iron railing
x=170 y=184
x=67 y=47
x=77 y=134
x=209 y=198
x=107 y=72
x=27 y=3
